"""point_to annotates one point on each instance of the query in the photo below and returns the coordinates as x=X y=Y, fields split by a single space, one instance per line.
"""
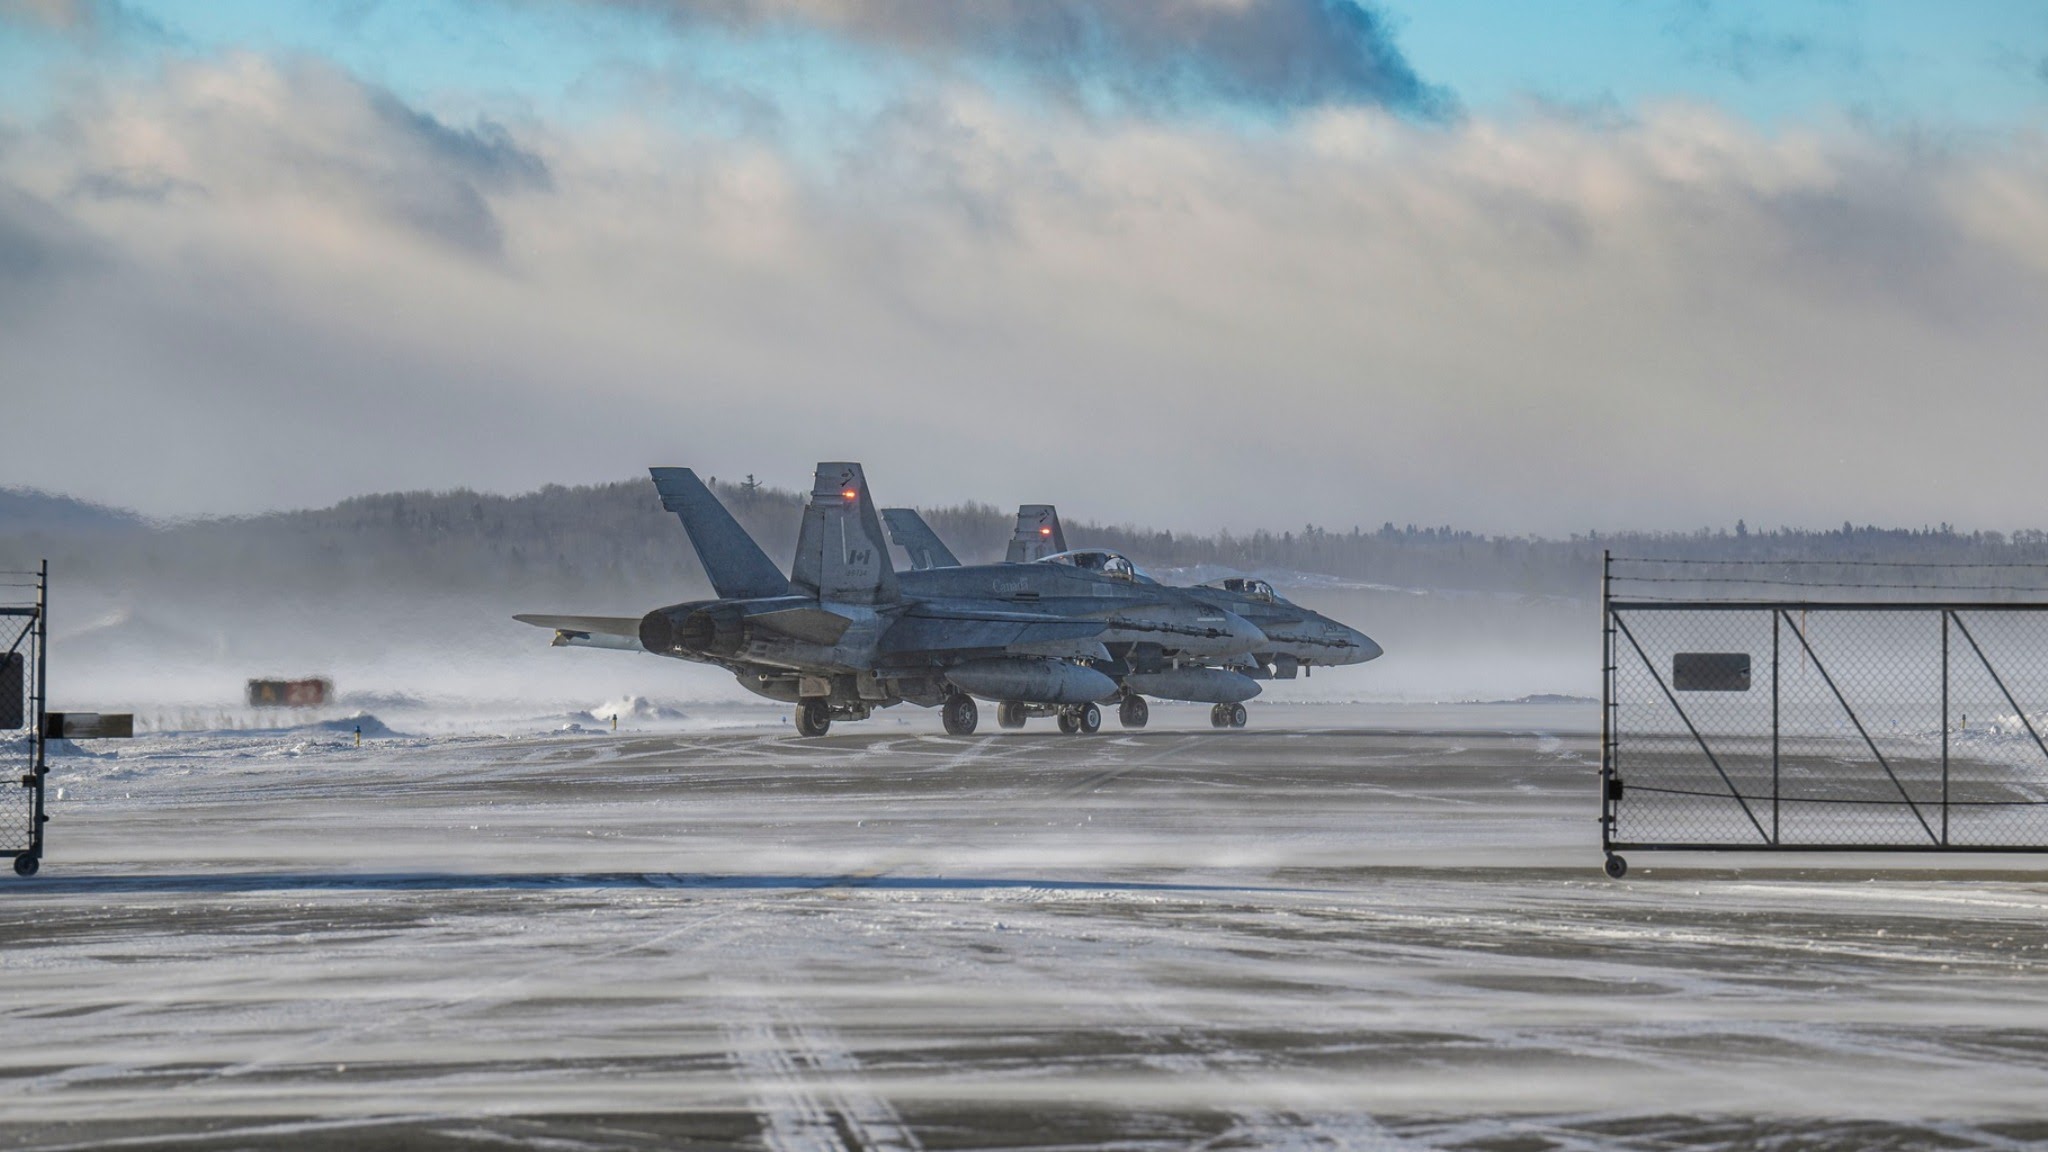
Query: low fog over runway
x=1350 y=926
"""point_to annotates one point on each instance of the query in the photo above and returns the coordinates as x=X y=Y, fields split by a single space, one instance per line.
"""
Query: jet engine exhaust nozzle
x=719 y=630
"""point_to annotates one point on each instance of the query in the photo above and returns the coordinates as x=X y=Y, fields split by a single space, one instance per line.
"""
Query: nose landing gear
x=1084 y=720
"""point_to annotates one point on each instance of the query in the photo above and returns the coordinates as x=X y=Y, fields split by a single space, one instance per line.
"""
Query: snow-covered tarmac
x=1345 y=927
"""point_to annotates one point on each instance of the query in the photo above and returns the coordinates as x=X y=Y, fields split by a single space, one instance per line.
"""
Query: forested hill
x=616 y=537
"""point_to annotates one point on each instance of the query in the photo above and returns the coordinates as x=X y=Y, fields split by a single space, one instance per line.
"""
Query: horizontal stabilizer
x=588 y=625
x=738 y=569
x=618 y=632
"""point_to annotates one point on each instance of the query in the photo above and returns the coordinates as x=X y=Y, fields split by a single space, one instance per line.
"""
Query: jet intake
x=1034 y=681
x=1203 y=685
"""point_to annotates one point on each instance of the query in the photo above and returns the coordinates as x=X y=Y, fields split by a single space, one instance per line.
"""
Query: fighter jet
x=1297 y=638
x=842 y=635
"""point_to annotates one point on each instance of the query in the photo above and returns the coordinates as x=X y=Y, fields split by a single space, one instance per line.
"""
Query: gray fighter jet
x=843 y=635
x=1297 y=638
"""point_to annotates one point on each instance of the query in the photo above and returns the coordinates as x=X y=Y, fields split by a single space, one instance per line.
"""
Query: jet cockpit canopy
x=1256 y=589
x=1112 y=564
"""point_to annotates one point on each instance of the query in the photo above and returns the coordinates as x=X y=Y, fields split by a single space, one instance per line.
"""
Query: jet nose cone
x=1367 y=650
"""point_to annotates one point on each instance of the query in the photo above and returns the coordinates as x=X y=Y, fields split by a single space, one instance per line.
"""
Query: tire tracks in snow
x=808 y=1087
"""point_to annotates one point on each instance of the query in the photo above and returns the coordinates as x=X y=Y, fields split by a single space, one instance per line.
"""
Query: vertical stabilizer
x=1038 y=534
x=841 y=555
x=738 y=569
x=916 y=537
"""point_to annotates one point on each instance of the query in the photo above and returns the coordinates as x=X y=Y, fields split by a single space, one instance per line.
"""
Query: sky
x=1517 y=267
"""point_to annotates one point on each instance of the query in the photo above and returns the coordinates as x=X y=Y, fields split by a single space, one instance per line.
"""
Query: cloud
x=250 y=131
x=34 y=238
x=60 y=15
x=1149 y=53
x=1535 y=323
x=83 y=22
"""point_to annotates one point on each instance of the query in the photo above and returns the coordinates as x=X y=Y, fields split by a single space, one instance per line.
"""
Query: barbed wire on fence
x=1828 y=563
x=1788 y=583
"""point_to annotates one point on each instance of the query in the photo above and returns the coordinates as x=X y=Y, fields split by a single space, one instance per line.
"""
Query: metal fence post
x=1944 y=727
x=1777 y=837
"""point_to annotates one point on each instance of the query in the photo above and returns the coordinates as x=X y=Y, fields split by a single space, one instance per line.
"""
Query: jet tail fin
x=738 y=569
x=841 y=555
x=1038 y=534
x=916 y=537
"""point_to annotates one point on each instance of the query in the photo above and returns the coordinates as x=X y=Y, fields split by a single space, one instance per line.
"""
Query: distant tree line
x=616 y=539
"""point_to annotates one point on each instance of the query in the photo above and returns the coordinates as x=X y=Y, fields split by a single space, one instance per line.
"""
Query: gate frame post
x=1944 y=727
x=32 y=643
x=39 y=818
x=1777 y=836
x=1607 y=705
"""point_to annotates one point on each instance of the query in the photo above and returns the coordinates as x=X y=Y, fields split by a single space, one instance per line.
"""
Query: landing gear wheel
x=1616 y=867
x=960 y=715
x=813 y=718
x=1133 y=712
x=1090 y=719
x=1010 y=714
x=26 y=864
x=1218 y=718
x=1238 y=716
x=1070 y=722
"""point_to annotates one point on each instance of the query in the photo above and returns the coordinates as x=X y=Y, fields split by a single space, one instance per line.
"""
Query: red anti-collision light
x=851 y=494
x=1045 y=531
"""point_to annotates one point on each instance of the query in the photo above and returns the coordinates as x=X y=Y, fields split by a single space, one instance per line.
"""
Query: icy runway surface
x=1341 y=928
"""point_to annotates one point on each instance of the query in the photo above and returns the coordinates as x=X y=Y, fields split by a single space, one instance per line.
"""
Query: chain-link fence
x=1814 y=726
x=22 y=635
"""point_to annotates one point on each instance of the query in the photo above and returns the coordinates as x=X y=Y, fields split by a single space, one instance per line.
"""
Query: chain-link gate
x=1830 y=726
x=23 y=635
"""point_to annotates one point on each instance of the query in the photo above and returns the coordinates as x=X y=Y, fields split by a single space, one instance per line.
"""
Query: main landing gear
x=960 y=714
x=813 y=717
x=1133 y=712
x=1074 y=719
x=1084 y=720
x=1228 y=716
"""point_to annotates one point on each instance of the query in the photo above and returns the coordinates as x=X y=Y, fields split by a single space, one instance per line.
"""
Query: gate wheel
x=1616 y=867
x=26 y=864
